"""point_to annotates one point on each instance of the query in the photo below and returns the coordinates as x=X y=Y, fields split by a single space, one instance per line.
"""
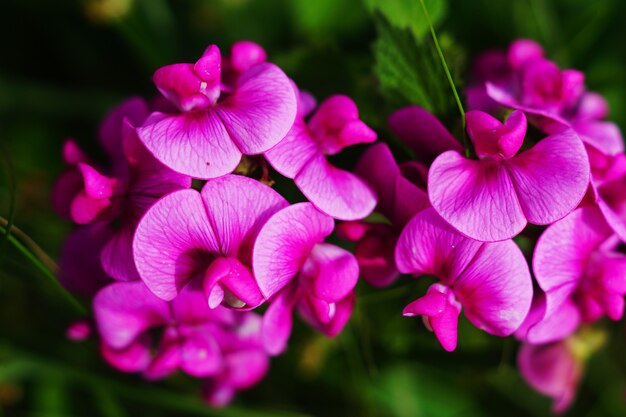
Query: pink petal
x=117 y=256
x=133 y=358
x=428 y=245
x=237 y=207
x=200 y=354
x=246 y=54
x=604 y=136
x=278 y=321
x=522 y=51
x=538 y=329
x=180 y=84
x=340 y=317
x=336 y=192
x=294 y=151
x=494 y=139
x=173 y=243
x=374 y=252
x=476 y=197
x=195 y=143
x=285 y=242
x=496 y=289
x=562 y=252
x=423 y=133
x=261 y=109
x=336 y=271
x=550 y=178
x=134 y=109
x=124 y=310
x=66 y=187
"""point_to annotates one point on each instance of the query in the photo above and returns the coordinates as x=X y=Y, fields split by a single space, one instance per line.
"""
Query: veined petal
x=337 y=272
x=336 y=192
x=475 y=197
x=550 y=178
x=428 y=245
x=496 y=289
x=174 y=242
x=261 y=109
x=195 y=143
x=293 y=152
x=285 y=242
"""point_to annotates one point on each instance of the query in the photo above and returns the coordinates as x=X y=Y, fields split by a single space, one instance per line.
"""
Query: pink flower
x=206 y=237
x=553 y=97
x=423 y=133
x=301 y=155
x=553 y=370
x=295 y=269
x=493 y=198
x=195 y=339
x=491 y=281
x=225 y=109
x=577 y=266
x=119 y=194
x=399 y=198
x=78 y=331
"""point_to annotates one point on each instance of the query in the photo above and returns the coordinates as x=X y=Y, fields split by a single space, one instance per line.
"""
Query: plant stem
x=38 y=257
x=457 y=98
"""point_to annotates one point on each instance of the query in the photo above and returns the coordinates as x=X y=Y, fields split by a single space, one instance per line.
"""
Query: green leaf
x=407 y=14
x=409 y=70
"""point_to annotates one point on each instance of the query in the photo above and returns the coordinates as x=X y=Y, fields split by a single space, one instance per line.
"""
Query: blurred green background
x=64 y=63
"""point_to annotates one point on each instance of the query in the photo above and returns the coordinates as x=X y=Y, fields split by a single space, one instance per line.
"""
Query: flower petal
x=294 y=151
x=124 y=310
x=195 y=143
x=117 y=255
x=337 y=272
x=336 y=192
x=173 y=243
x=475 y=197
x=496 y=289
x=551 y=178
x=261 y=109
x=285 y=242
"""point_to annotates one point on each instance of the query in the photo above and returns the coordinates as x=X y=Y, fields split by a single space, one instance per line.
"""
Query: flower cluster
x=194 y=259
x=174 y=266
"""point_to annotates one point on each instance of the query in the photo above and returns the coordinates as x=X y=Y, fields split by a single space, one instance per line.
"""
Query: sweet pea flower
x=224 y=109
x=490 y=281
x=555 y=369
x=301 y=155
x=115 y=197
x=552 y=370
x=577 y=266
x=195 y=339
x=295 y=269
x=494 y=197
x=553 y=97
x=399 y=198
x=206 y=238
x=423 y=133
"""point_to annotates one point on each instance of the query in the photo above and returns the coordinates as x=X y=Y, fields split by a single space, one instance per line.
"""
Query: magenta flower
x=577 y=266
x=195 y=339
x=423 y=133
x=491 y=281
x=399 y=198
x=241 y=106
x=116 y=197
x=301 y=155
x=553 y=370
x=493 y=198
x=296 y=270
x=206 y=238
x=553 y=97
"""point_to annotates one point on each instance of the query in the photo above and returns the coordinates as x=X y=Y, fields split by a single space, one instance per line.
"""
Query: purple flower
x=195 y=339
x=206 y=237
x=295 y=269
x=553 y=370
x=577 y=266
x=490 y=281
x=527 y=81
x=493 y=198
x=224 y=109
x=301 y=155
x=114 y=198
x=399 y=198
